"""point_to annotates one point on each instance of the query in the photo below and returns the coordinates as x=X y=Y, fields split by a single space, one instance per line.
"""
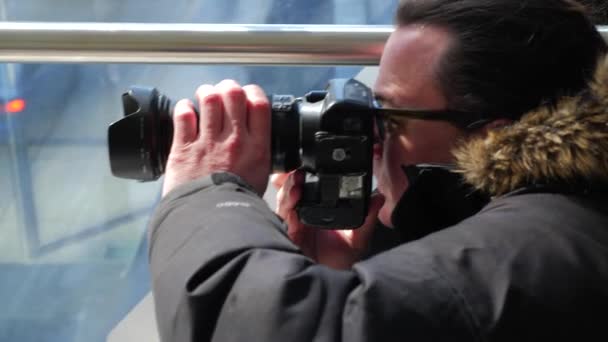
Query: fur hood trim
x=564 y=145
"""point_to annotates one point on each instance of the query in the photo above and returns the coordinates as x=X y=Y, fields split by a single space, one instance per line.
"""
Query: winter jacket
x=531 y=265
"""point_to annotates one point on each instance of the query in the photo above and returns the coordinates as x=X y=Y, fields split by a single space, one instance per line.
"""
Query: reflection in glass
x=73 y=243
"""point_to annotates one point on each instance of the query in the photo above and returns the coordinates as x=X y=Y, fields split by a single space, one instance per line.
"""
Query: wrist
x=224 y=177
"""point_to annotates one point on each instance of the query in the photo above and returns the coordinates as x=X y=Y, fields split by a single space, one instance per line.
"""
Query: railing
x=194 y=43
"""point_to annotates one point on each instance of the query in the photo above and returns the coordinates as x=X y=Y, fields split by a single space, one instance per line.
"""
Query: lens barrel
x=140 y=142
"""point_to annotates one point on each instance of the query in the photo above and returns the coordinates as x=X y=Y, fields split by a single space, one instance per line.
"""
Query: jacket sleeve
x=223 y=269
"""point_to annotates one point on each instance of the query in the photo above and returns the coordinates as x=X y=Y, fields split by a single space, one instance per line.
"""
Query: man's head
x=496 y=58
x=509 y=55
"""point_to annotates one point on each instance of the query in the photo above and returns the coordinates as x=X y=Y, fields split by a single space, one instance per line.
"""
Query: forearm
x=220 y=256
x=219 y=210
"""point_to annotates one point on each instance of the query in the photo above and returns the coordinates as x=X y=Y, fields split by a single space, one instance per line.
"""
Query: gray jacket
x=532 y=265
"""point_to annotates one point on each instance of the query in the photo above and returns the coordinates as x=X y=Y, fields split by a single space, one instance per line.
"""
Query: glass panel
x=10 y=251
x=73 y=243
x=203 y=11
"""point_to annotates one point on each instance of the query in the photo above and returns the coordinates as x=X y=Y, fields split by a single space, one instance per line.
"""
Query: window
x=73 y=243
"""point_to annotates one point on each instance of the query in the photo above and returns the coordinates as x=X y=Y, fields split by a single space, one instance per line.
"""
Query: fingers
x=211 y=120
x=227 y=107
x=289 y=194
x=361 y=235
x=278 y=179
x=185 y=130
x=221 y=141
x=258 y=121
x=295 y=229
x=283 y=203
x=376 y=203
x=235 y=106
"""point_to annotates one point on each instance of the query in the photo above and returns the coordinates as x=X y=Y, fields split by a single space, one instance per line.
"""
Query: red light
x=15 y=106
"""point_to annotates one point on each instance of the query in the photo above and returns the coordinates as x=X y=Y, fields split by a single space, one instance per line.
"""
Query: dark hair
x=510 y=56
x=598 y=10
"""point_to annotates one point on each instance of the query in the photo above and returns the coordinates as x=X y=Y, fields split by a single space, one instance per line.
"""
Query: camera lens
x=140 y=142
x=327 y=134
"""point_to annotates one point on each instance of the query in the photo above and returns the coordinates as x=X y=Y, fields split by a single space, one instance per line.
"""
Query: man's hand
x=233 y=135
x=335 y=248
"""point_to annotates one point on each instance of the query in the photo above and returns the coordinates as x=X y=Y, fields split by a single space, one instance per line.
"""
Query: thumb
x=278 y=179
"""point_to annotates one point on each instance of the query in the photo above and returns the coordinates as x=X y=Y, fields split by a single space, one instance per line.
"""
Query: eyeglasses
x=388 y=119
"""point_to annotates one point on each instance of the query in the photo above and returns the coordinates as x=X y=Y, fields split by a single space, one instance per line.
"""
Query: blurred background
x=73 y=253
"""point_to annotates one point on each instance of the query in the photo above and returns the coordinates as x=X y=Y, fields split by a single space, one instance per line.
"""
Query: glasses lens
x=389 y=125
x=394 y=124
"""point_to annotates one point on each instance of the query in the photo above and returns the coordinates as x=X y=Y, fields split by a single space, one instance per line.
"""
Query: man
x=531 y=265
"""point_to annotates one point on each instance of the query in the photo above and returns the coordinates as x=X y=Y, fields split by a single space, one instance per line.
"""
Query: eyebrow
x=386 y=100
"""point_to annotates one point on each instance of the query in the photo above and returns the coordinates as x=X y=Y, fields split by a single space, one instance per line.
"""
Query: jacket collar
x=566 y=145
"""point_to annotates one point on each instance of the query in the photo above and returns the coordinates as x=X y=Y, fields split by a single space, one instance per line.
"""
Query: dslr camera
x=329 y=134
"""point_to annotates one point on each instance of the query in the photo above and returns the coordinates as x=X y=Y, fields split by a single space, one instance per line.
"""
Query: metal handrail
x=192 y=43
x=25 y=42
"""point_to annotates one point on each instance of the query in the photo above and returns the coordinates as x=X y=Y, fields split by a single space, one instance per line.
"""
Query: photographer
x=532 y=264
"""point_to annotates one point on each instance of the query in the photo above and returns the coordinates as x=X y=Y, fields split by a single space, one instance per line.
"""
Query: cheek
x=431 y=142
x=396 y=154
x=420 y=144
x=392 y=182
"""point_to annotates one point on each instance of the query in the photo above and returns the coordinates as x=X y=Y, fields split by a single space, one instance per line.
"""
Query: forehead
x=407 y=69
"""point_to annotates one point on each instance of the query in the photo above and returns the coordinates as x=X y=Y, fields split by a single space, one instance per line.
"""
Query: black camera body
x=328 y=134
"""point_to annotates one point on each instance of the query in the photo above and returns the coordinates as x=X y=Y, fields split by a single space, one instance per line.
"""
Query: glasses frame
x=463 y=120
